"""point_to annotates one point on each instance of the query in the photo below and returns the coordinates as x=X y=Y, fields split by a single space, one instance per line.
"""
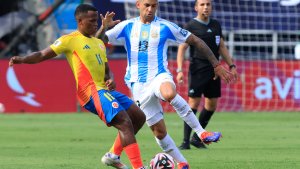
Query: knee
x=126 y=126
x=167 y=91
x=211 y=106
x=168 y=95
x=159 y=133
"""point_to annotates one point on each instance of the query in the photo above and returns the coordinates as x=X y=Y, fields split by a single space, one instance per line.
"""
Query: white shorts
x=148 y=96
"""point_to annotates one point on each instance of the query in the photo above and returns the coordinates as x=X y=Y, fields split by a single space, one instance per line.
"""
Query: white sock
x=185 y=112
x=168 y=146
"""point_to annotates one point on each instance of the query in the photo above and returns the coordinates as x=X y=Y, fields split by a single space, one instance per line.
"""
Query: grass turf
x=68 y=141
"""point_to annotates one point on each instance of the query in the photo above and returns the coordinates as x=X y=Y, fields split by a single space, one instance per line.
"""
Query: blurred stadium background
x=263 y=36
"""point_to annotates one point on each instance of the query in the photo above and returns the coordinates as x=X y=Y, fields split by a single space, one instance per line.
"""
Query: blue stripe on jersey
x=164 y=32
x=143 y=52
x=127 y=31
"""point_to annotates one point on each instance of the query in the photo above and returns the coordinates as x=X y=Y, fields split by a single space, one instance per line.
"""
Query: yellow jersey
x=87 y=58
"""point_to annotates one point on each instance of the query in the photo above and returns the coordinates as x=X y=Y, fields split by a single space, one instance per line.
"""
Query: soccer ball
x=2 y=108
x=162 y=161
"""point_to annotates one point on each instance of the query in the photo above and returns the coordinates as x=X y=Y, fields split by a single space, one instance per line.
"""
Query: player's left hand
x=15 y=60
x=224 y=74
x=110 y=84
x=107 y=20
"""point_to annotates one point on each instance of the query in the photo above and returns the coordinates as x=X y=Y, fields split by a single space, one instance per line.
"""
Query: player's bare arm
x=34 y=57
x=180 y=58
x=220 y=71
x=109 y=81
x=107 y=22
x=228 y=59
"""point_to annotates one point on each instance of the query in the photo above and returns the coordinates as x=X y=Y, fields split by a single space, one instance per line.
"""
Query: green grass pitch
x=78 y=141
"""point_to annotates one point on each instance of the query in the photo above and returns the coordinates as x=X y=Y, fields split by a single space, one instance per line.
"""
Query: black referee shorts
x=202 y=82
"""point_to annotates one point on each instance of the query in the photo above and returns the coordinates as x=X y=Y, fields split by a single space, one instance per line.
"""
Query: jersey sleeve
x=116 y=34
x=179 y=33
x=219 y=27
x=188 y=26
x=59 y=46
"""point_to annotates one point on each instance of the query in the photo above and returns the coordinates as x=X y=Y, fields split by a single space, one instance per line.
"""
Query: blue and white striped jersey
x=146 y=46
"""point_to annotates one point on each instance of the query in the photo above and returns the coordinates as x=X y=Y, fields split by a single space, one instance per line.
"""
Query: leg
x=111 y=111
x=145 y=93
x=194 y=104
x=165 y=141
x=112 y=158
x=138 y=119
x=208 y=110
x=210 y=107
x=123 y=123
x=167 y=91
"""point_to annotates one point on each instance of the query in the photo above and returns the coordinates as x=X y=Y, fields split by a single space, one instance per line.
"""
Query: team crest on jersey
x=145 y=35
x=154 y=34
x=134 y=34
x=115 y=105
x=218 y=39
x=102 y=46
x=57 y=43
x=183 y=32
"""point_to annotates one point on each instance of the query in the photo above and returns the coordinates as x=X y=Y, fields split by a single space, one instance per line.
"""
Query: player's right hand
x=110 y=84
x=224 y=74
x=107 y=20
x=15 y=60
x=179 y=78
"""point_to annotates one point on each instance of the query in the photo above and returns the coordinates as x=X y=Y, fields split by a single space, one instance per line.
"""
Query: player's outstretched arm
x=220 y=71
x=33 y=58
x=107 y=22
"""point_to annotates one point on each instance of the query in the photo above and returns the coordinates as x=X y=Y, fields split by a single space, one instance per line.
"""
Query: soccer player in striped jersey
x=95 y=88
x=146 y=40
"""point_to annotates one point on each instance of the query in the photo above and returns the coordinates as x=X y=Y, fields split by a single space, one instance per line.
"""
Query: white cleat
x=113 y=160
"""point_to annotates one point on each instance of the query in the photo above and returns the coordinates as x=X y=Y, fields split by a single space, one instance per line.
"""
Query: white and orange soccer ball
x=162 y=161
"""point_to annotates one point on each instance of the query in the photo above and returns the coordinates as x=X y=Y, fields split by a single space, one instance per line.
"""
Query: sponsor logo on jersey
x=145 y=35
x=209 y=30
x=192 y=91
x=183 y=32
x=115 y=105
x=57 y=43
x=86 y=47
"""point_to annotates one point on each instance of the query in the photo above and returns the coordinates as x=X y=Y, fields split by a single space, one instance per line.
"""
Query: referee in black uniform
x=201 y=73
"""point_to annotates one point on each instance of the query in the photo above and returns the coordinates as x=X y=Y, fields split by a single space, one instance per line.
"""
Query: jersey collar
x=205 y=23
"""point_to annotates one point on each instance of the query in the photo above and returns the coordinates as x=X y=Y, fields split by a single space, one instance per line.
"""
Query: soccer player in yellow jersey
x=95 y=88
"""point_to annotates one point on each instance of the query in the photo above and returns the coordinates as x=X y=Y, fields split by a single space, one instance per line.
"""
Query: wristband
x=232 y=66
x=178 y=70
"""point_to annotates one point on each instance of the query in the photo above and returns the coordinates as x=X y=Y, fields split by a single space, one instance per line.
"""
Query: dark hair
x=83 y=9
x=195 y=2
